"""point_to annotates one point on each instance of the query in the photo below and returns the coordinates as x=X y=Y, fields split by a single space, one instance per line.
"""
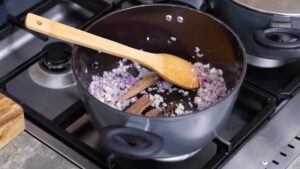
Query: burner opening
x=57 y=57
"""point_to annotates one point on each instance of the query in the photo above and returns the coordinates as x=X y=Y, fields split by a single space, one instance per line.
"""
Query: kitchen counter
x=26 y=152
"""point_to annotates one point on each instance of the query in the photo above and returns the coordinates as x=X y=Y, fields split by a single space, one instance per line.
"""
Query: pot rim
x=232 y=92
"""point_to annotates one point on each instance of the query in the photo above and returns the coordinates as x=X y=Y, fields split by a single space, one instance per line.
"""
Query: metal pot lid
x=280 y=7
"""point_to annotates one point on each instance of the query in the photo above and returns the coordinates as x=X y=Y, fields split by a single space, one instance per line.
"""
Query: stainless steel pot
x=270 y=30
x=161 y=138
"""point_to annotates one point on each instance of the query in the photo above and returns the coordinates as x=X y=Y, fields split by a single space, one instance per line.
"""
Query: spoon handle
x=82 y=38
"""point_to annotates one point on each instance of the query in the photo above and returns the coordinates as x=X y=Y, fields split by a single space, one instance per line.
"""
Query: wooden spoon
x=171 y=68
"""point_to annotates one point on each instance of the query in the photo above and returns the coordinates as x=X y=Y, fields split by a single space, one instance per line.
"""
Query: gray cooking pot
x=161 y=138
x=270 y=30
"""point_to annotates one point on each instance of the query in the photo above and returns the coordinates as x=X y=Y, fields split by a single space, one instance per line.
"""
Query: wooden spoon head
x=177 y=71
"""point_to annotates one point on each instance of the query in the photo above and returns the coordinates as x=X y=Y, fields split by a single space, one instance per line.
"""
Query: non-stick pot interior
x=147 y=28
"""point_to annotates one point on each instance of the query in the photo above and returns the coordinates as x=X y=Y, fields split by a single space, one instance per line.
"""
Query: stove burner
x=54 y=70
x=57 y=56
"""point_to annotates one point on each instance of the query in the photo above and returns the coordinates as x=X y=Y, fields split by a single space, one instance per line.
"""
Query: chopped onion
x=116 y=82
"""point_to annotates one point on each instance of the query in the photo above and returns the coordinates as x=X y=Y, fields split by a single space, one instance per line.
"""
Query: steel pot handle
x=280 y=38
x=130 y=142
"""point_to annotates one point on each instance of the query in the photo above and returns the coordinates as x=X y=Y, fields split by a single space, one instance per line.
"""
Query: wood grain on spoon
x=170 y=67
x=141 y=85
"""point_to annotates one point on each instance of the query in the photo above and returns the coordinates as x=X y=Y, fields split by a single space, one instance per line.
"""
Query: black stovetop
x=64 y=125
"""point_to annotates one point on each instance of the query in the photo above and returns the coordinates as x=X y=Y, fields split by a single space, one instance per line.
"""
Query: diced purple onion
x=112 y=84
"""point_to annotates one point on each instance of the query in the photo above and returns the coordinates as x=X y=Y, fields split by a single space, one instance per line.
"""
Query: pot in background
x=161 y=138
x=269 y=30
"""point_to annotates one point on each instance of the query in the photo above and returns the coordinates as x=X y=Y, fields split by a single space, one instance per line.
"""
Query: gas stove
x=35 y=71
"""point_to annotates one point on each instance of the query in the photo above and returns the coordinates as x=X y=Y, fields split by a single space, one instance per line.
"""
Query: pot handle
x=279 y=38
x=130 y=142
